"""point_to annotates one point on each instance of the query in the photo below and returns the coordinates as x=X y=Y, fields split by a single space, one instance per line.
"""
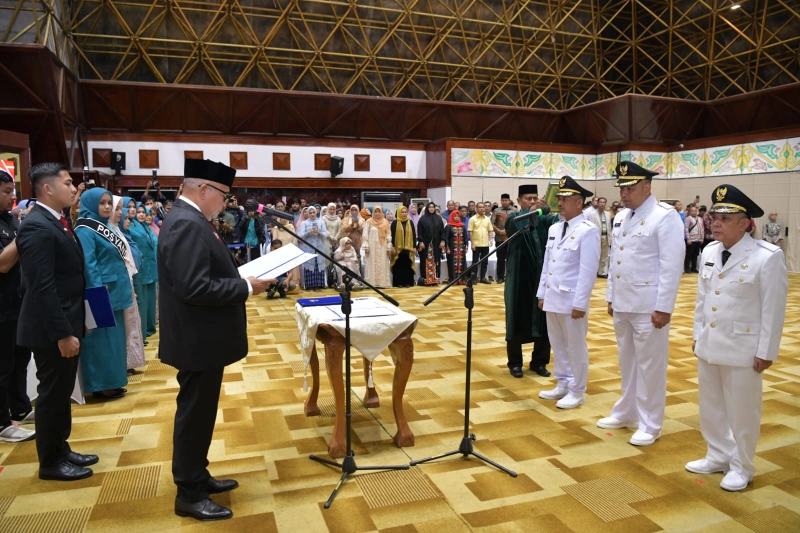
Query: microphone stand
x=466 y=448
x=348 y=465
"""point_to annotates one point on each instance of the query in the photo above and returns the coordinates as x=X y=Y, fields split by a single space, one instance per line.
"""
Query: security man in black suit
x=51 y=320
x=203 y=327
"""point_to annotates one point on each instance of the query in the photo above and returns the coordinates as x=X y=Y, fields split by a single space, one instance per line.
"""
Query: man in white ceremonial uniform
x=738 y=322
x=571 y=257
x=602 y=219
x=647 y=251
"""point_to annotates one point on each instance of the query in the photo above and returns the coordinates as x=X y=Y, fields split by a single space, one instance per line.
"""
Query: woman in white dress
x=377 y=243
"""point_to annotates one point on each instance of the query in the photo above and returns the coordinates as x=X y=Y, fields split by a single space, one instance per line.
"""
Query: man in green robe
x=525 y=322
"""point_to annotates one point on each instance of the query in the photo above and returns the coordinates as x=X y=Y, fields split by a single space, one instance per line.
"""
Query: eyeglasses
x=226 y=195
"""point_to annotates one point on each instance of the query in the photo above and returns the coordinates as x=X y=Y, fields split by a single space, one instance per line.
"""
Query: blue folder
x=99 y=313
x=324 y=300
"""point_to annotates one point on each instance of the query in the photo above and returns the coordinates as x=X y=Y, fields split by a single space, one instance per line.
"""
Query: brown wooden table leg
x=334 y=350
x=311 y=407
x=371 y=399
x=402 y=350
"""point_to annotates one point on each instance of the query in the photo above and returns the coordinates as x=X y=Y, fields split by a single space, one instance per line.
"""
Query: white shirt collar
x=52 y=211
x=191 y=203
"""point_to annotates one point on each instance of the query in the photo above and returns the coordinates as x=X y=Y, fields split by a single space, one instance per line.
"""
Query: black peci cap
x=205 y=169
x=527 y=189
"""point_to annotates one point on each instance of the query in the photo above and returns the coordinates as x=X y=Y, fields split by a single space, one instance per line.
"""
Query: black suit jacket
x=201 y=299
x=53 y=282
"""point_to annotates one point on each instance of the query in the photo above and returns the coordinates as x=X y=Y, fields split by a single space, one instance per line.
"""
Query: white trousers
x=603 y=267
x=643 y=357
x=568 y=340
x=730 y=414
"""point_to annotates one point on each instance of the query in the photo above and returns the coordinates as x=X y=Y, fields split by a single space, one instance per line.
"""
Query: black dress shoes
x=65 y=471
x=516 y=371
x=205 y=510
x=79 y=459
x=541 y=370
x=218 y=486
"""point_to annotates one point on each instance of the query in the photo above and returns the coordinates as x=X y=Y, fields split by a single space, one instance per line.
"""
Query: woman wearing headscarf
x=389 y=215
x=347 y=256
x=404 y=244
x=353 y=227
x=413 y=215
x=313 y=230
x=133 y=322
x=278 y=233
x=333 y=225
x=147 y=243
x=366 y=213
x=377 y=241
x=431 y=241
x=456 y=246
x=103 y=351
x=150 y=215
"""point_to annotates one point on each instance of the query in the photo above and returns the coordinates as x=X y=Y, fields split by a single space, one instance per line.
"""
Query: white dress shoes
x=570 y=401
x=613 y=423
x=734 y=481
x=640 y=438
x=555 y=394
x=704 y=466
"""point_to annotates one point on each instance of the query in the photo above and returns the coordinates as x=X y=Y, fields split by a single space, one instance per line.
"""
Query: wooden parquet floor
x=573 y=476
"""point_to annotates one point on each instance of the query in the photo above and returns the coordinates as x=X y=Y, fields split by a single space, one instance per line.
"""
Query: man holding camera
x=201 y=295
x=158 y=196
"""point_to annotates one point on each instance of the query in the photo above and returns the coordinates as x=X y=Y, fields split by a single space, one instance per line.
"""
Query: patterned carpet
x=573 y=476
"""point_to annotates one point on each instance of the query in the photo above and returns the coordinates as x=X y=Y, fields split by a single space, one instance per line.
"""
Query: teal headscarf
x=90 y=202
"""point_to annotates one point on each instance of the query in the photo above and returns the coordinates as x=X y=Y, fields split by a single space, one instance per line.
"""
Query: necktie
x=564 y=231
x=725 y=255
x=66 y=225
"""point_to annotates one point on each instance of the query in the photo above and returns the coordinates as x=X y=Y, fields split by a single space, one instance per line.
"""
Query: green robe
x=524 y=319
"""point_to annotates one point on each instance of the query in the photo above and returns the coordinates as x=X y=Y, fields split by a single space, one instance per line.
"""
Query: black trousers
x=479 y=253
x=13 y=375
x=501 y=254
x=194 y=425
x=540 y=356
x=690 y=260
x=53 y=405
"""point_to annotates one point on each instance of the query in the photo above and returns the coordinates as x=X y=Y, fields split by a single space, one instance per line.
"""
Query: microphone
x=274 y=213
x=539 y=212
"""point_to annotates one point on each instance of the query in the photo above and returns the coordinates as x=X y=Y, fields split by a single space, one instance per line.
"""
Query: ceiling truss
x=551 y=54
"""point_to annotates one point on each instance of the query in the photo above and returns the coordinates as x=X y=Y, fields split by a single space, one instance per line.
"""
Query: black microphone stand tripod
x=466 y=448
x=348 y=465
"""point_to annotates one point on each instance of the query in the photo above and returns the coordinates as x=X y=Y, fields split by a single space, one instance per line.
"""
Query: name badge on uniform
x=710 y=264
x=551 y=239
x=618 y=224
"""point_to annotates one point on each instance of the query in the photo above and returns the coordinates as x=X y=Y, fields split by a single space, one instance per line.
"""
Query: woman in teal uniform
x=147 y=242
x=104 y=353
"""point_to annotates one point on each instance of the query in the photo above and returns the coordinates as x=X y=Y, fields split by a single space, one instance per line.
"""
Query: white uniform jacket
x=740 y=306
x=646 y=259
x=570 y=266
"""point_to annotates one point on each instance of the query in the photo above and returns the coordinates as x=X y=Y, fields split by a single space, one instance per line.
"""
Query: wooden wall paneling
x=239 y=160
x=437 y=163
x=110 y=107
x=193 y=154
x=101 y=157
x=281 y=161
x=398 y=163
x=361 y=162
x=19 y=143
x=148 y=159
x=287 y=183
x=322 y=162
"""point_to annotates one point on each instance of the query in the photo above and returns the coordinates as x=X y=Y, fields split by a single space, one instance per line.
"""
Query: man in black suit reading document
x=203 y=327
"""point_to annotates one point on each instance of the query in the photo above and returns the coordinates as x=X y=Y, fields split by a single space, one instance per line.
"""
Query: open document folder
x=275 y=263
